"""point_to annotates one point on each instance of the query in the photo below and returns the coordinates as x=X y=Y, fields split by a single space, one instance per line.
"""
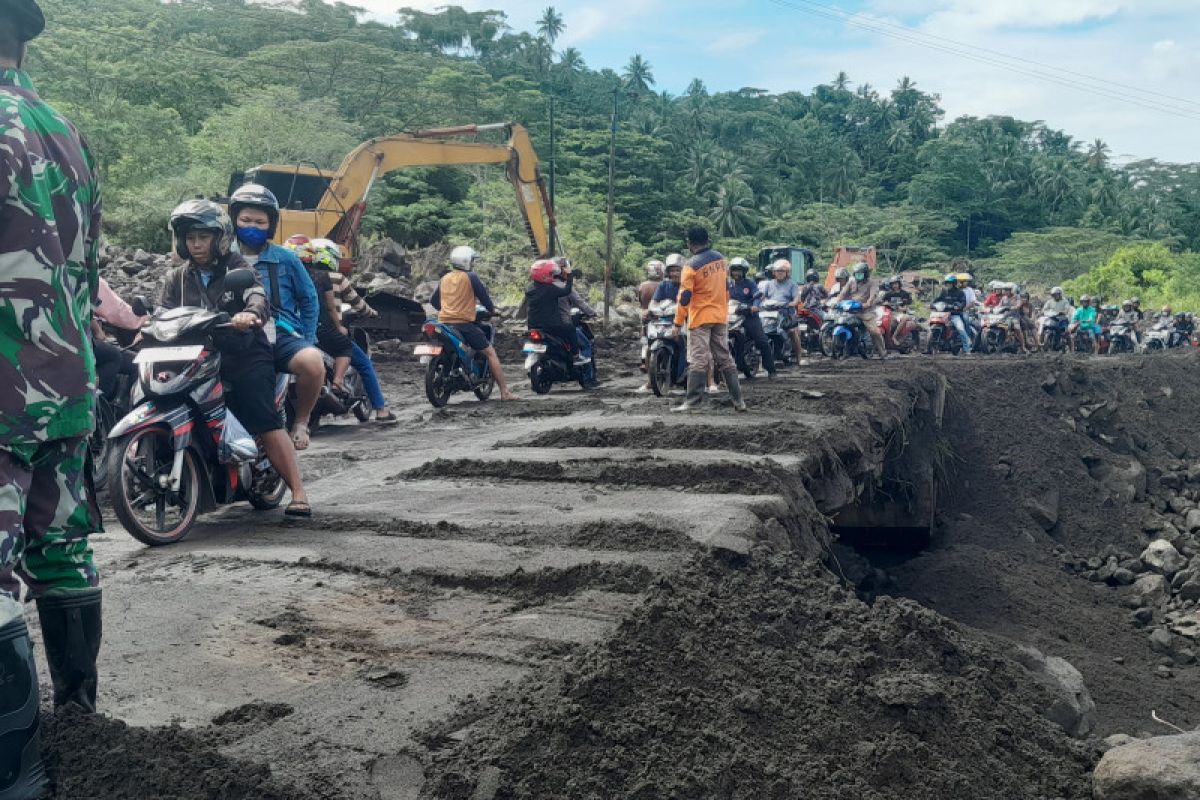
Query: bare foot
x=300 y=437
x=509 y=396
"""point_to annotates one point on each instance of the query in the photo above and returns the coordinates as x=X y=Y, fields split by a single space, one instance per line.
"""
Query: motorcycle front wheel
x=437 y=380
x=660 y=372
x=153 y=514
x=267 y=490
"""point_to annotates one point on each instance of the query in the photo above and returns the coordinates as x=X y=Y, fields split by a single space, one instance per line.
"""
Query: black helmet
x=27 y=18
x=201 y=215
x=254 y=195
x=811 y=276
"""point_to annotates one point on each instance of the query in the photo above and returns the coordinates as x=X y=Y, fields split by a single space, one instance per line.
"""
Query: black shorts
x=250 y=396
x=286 y=348
x=473 y=335
x=333 y=342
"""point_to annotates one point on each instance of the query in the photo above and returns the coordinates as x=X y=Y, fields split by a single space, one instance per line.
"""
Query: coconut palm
x=734 y=214
x=637 y=74
x=550 y=26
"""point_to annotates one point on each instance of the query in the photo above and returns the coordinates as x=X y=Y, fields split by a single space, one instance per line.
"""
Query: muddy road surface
x=851 y=591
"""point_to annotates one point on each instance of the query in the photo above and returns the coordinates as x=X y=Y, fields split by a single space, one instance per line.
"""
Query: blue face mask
x=251 y=236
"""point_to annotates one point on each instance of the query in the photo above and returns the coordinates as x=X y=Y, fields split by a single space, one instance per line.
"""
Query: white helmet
x=463 y=257
x=655 y=270
x=675 y=260
x=781 y=263
x=1056 y=290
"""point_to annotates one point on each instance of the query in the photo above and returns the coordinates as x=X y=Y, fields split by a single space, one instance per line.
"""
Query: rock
x=1162 y=556
x=1193 y=473
x=1122 y=577
x=1148 y=590
x=1192 y=519
x=1170 y=480
x=1180 y=505
x=1134 y=565
x=1190 y=591
x=1153 y=522
x=1117 y=740
x=1143 y=616
x=1186 y=624
x=1073 y=710
x=1161 y=641
x=1044 y=509
x=144 y=258
x=1163 y=671
x=1170 y=534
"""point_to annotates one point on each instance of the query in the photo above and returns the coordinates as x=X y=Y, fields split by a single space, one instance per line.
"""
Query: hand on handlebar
x=244 y=321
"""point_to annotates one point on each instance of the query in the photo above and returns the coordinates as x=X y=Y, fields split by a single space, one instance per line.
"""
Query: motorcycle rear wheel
x=484 y=390
x=660 y=372
x=437 y=380
x=751 y=360
x=539 y=378
x=266 y=493
x=136 y=462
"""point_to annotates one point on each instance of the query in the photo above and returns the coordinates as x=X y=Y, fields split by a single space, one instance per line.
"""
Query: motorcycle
x=943 y=336
x=666 y=352
x=777 y=326
x=1165 y=336
x=900 y=332
x=1083 y=340
x=110 y=409
x=450 y=366
x=809 y=323
x=1120 y=338
x=549 y=361
x=1052 y=330
x=180 y=452
x=331 y=402
x=850 y=336
x=741 y=346
x=999 y=333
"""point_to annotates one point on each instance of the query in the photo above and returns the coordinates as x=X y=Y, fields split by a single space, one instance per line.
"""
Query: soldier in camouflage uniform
x=49 y=232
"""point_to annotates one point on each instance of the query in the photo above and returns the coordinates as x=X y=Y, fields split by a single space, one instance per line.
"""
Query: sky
x=1125 y=71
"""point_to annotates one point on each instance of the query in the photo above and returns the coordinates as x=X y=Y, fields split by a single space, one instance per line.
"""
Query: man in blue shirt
x=255 y=213
x=782 y=290
x=744 y=290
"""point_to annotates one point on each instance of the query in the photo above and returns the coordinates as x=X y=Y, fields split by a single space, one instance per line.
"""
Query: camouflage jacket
x=49 y=244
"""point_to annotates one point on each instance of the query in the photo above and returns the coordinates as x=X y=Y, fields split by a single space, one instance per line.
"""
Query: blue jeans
x=960 y=325
x=366 y=370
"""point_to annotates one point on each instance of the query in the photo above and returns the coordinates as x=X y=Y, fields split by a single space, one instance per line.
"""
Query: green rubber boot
x=734 y=387
x=696 y=382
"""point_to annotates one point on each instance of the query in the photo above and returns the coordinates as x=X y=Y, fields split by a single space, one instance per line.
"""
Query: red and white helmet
x=544 y=271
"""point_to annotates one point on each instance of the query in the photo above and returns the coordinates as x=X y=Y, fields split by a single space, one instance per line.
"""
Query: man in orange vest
x=704 y=304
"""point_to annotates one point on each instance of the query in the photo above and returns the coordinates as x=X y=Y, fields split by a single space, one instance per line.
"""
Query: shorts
x=473 y=335
x=334 y=342
x=286 y=348
x=250 y=396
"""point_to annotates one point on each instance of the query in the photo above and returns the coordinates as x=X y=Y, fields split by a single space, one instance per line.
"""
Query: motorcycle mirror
x=239 y=280
x=140 y=306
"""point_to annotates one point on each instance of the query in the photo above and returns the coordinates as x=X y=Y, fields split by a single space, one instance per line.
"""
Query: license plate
x=159 y=355
x=802 y=327
x=534 y=348
x=427 y=350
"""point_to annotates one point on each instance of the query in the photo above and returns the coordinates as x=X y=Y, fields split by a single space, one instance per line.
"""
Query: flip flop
x=298 y=508
x=300 y=438
x=390 y=419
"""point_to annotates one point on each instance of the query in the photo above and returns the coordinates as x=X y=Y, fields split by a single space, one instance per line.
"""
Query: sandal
x=388 y=419
x=300 y=437
x=298 y=508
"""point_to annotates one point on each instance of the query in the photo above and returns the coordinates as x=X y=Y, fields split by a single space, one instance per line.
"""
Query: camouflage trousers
x=47 y=512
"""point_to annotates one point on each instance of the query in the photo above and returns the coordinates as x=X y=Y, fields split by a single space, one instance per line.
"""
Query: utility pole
x=553 y=157
x=608 y=236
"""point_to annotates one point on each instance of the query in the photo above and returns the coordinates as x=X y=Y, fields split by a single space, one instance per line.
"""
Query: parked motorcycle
x=741 y=346
x=850 y=335
x=450 y=366
x=777 y=324
x=666 y=352
x=549 y=361
x=1052 y=336
x=180 y=452
x=943 y=336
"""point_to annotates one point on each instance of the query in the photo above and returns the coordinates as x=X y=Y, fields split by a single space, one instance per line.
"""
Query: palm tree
x=734 y=214
x=1097 y=154
x=550 y=26
x=637 y=74
x=571 y=61
x=841 y=81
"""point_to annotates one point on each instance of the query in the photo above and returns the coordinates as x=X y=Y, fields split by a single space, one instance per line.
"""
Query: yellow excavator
x=330 y=205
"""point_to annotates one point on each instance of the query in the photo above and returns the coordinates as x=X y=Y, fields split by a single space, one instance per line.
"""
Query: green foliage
x=1151 y=271
x=174 y=96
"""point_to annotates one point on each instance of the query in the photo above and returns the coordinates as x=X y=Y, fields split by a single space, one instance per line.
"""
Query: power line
x=846 y=16
x=914 y=37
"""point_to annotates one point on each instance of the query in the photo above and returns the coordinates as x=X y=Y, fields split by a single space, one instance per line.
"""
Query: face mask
x=251 y=237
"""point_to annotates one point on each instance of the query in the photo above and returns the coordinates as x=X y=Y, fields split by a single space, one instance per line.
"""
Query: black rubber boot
x=734 y=387
x=696 y=384
x=22 y=776
x=71 y=631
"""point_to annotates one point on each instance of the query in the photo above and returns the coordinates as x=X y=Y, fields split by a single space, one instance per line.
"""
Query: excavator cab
x=801 y=258
x=298 y=188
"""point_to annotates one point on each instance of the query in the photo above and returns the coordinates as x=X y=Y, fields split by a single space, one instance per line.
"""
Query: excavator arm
x=339 y=211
